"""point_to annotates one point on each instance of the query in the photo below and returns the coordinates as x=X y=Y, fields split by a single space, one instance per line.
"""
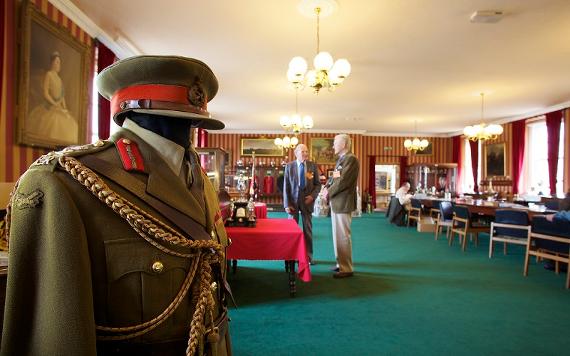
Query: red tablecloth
x=261 y=210
x=271 y=239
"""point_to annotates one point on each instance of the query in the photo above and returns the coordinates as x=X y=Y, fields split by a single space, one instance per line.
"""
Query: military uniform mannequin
x=118 y=247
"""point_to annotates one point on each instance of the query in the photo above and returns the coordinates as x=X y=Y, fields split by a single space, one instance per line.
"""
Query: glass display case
x=213 y=161
x=433 y=178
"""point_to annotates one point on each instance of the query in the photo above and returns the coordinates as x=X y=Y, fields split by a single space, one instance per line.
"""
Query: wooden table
x=271 y=239
x=487 y=207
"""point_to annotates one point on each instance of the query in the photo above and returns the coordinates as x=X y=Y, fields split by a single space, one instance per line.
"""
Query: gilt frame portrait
x=428 y=151
x=263 y=147
x=321 y=150
x=53 y=72
x=495 y=162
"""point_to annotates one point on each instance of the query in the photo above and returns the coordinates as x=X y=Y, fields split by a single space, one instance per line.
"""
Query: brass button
x=126 y=141
x=157 y=267
x=213 y=234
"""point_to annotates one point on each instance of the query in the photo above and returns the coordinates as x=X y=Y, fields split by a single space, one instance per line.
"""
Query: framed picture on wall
x=382 y=181
x=428 y=151
x=495 y=164
x=52 y=83
x=261 y=147
x=321 y=150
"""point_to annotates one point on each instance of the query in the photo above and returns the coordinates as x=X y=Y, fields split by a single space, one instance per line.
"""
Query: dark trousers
x=307 y=218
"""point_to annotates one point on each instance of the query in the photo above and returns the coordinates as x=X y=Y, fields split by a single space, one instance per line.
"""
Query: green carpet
x=411 y=295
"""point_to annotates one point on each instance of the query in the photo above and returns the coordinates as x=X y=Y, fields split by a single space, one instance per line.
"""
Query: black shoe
x=343 y=274
x=335 y=269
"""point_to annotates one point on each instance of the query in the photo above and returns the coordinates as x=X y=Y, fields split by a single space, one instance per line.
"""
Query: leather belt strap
x=138 y=188
x=161 y=105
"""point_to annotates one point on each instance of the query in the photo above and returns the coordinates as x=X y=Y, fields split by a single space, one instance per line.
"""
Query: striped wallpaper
x=386 y=150
x=15 y=158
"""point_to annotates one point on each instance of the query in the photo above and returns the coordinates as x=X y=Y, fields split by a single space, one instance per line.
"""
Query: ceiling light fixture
x=481 y=131
x=326 y=72
x=293 y=125
x=416 y=144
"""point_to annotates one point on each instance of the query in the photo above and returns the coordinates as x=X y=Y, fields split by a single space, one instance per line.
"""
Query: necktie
x=302 y=175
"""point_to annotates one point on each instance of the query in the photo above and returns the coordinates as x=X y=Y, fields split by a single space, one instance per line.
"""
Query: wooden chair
x=463 y=226
x=509 y=227
x=444 y=219
x=549 y=240
x=415 y=212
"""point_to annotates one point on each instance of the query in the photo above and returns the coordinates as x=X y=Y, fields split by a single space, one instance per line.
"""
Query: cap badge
x=196 y=94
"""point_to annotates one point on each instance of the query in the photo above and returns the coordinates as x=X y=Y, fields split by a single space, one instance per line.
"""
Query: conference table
x=488 y=208
x=271 y=239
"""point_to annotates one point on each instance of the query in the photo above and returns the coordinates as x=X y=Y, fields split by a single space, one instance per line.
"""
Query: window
x=537 y=167
x=467 y=183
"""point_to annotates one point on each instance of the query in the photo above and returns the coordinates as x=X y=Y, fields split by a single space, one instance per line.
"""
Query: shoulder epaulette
x=51 y=157
x=130 y=154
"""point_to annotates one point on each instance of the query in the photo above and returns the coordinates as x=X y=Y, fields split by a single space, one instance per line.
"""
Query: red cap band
x=160 y=92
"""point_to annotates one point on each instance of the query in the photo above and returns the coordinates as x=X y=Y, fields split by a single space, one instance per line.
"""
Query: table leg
x=292 y=277
x=234 y=266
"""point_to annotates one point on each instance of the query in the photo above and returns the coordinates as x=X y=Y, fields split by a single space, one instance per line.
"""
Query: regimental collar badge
x=31 y=200
x=130 y=154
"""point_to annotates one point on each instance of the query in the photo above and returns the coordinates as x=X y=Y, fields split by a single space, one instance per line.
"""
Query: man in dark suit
x=117 y=247
x=341 y=192
x=301 y=187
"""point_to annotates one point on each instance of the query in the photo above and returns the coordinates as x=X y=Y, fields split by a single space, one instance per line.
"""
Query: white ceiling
x=411 y=59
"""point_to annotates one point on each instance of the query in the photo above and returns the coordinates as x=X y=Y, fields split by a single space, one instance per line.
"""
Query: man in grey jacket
x=301 y=187
x=341 y=192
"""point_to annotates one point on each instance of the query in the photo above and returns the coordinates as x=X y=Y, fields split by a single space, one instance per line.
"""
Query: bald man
x=301 y=187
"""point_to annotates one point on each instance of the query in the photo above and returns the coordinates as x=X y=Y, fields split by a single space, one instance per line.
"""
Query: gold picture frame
x=495 y=162
x=263 y=147
x=321 y=150
x=428 y=151
x=53 y=72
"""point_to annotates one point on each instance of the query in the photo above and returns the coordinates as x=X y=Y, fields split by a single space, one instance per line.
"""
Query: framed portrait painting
x=52 y=83
x=322 y=151
x=495 y=160
x=261 y=147
x=428 y=151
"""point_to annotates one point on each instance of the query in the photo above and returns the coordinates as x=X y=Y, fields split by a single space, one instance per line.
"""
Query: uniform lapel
x=295 y=175
x=166 y=187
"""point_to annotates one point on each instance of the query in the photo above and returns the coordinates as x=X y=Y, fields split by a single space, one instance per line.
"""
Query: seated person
x=564 y=213
x=403 y=196
x=561 y=218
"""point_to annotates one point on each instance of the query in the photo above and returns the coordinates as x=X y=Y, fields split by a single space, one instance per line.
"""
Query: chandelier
x=416 y=144
x=482 y=131
x=293 y=125
x=326 y=72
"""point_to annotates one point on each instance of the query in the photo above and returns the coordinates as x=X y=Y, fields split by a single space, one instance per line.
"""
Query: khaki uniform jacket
x=342 y=190
x=74 y=263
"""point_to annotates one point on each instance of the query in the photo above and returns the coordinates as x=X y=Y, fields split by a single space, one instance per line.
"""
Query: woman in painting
x=52 y=119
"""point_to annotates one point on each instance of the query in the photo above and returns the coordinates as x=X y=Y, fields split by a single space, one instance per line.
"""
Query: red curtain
x=474 y=146
x=403 y=169
x=2 y=32
x=456 y=158
x=372 y=180
x=519 y=139
x=553 y=121
x=105 y=57
x=202 y=138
